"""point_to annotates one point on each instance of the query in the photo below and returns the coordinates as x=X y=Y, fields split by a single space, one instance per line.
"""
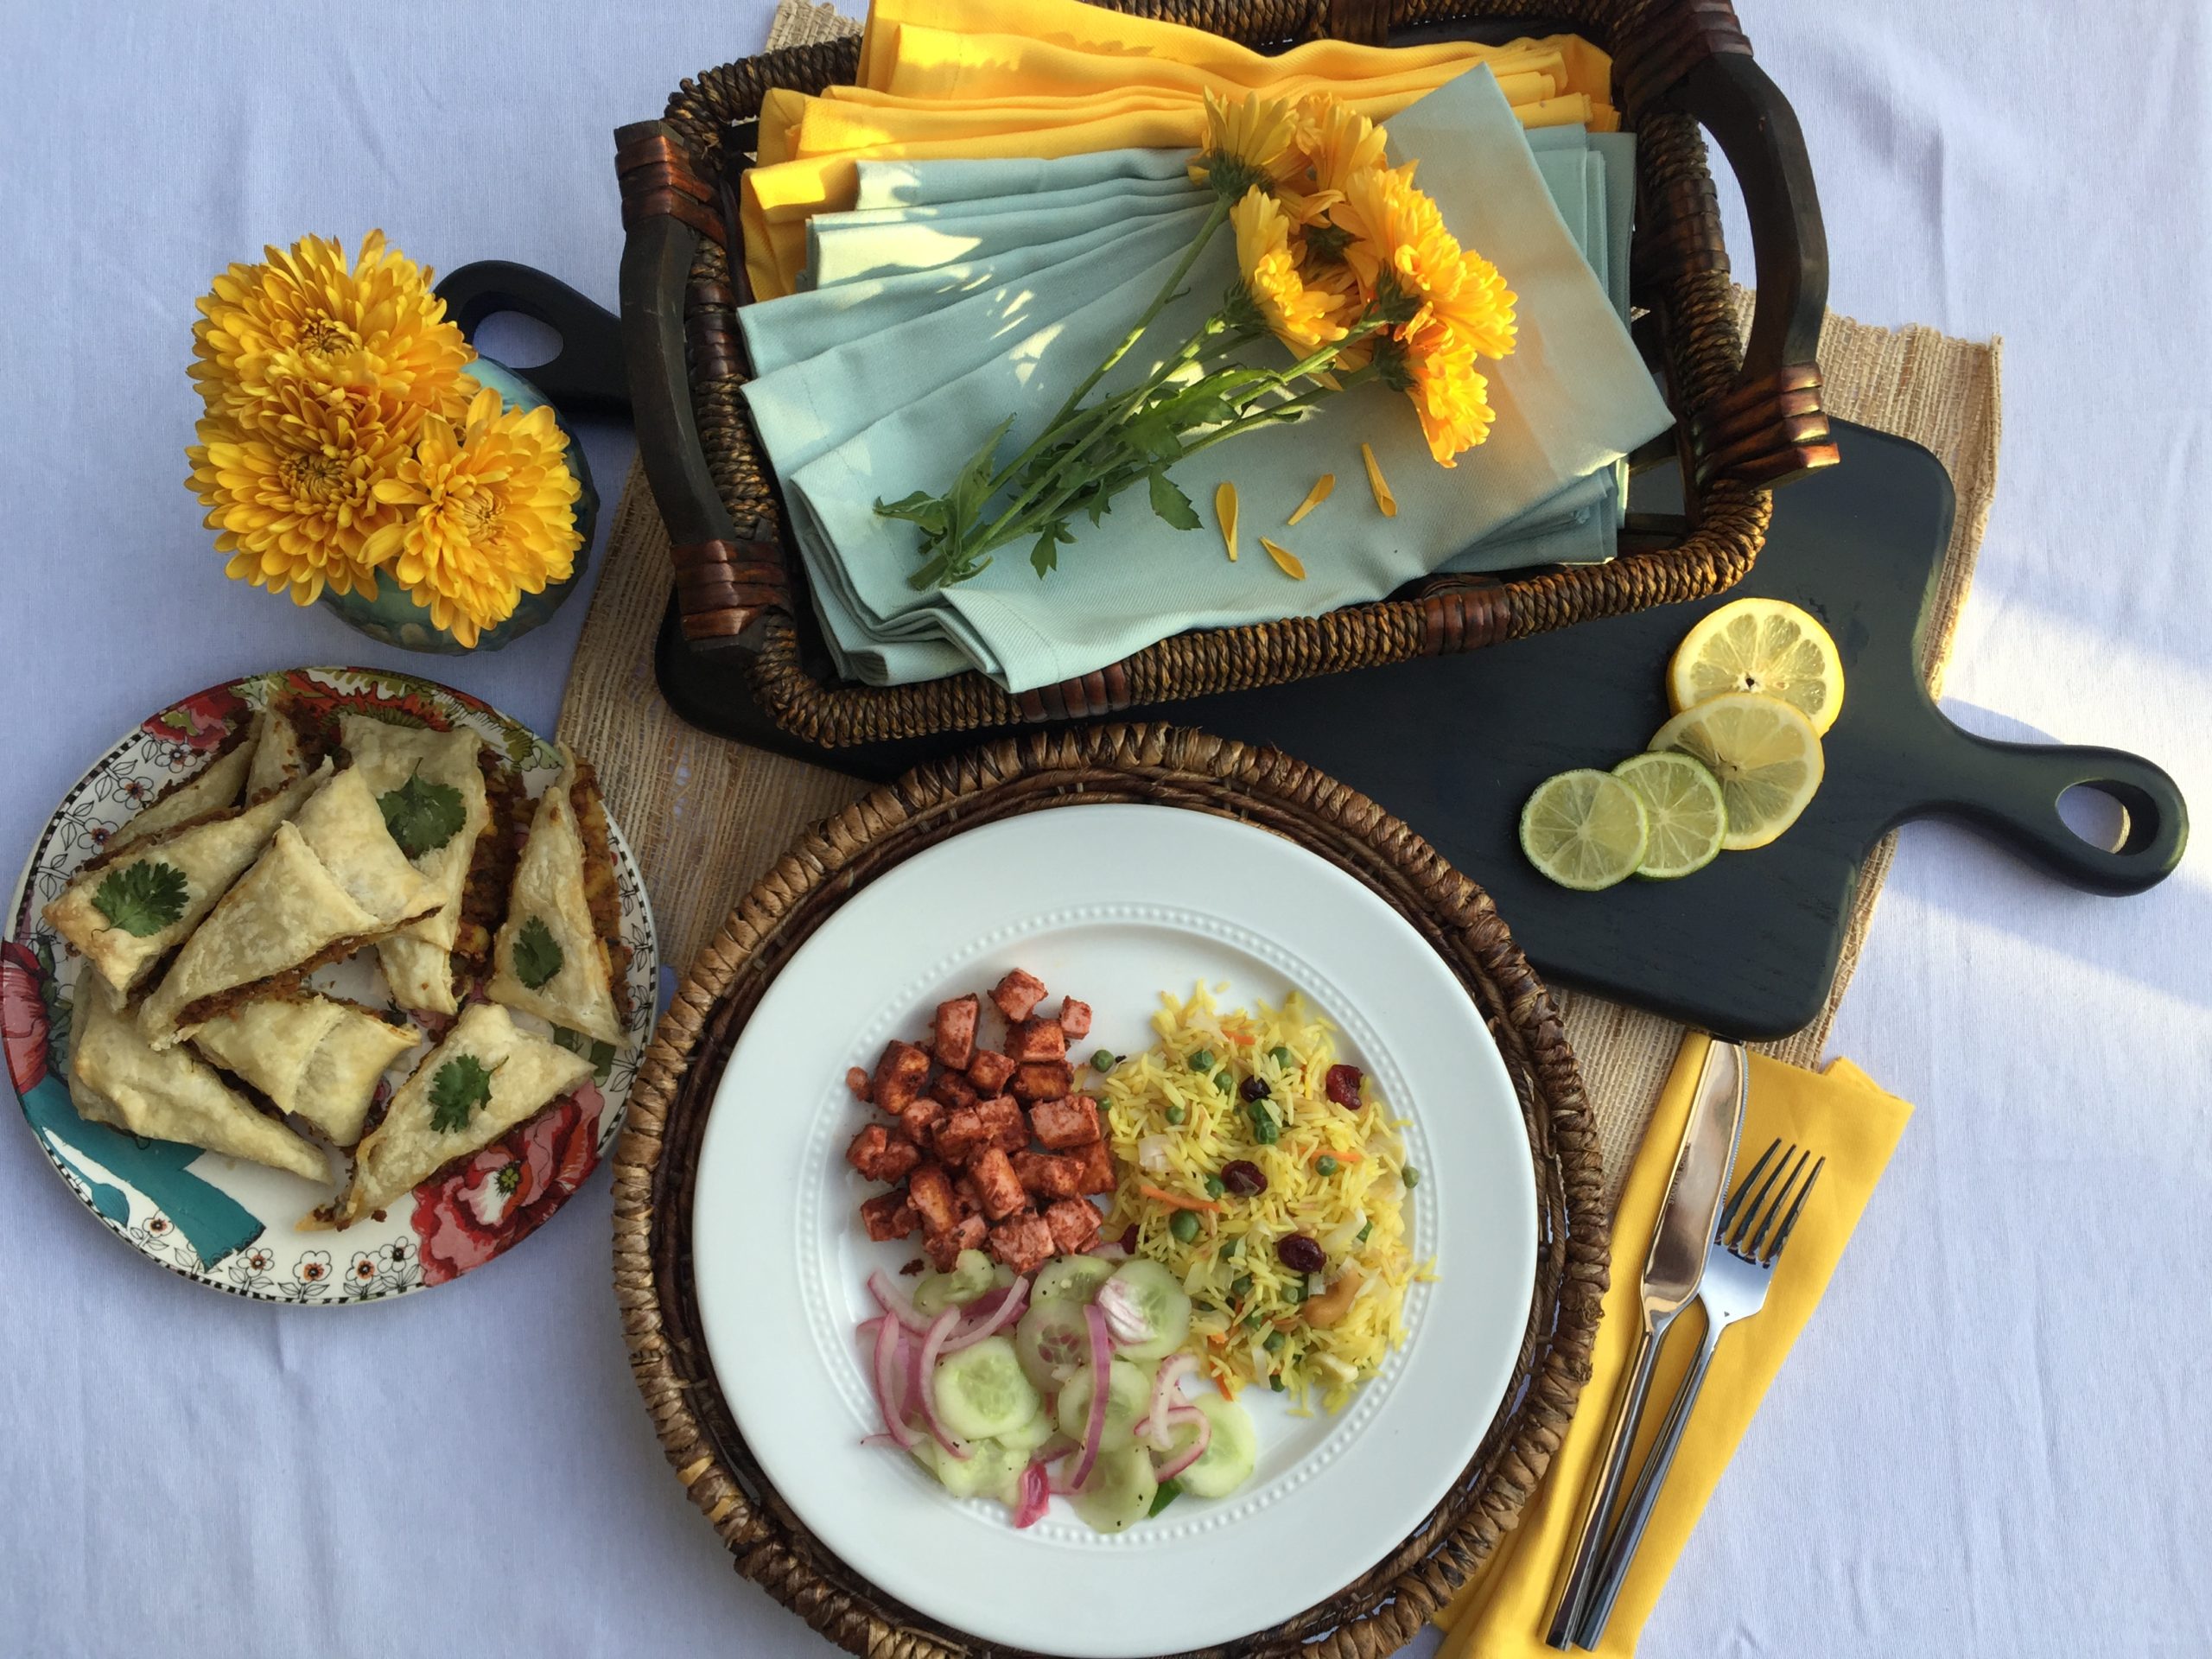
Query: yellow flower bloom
x=372 y=327
x=294 y=500
x=1398 y=234
x=1303 y=318
x=1335 y=141
x=492 y=515
x=1251 y=144
x=1451 y=399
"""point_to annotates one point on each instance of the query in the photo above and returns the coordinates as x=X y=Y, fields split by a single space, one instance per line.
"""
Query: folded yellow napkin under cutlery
x=1837 y=1122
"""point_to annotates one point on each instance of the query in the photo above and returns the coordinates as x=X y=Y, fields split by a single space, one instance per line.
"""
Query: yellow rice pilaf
x=1241 y=1294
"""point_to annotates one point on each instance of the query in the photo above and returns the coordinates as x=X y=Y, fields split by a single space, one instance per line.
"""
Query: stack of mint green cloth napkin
x=958 y=293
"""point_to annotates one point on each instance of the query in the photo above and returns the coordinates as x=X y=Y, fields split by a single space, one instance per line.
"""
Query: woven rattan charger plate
x=656 y=1161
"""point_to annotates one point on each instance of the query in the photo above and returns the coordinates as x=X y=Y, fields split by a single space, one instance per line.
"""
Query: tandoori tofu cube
x=919 y=1119
x=888 y=1215
x=954 y=1034
x=990 y=1070
x=930 y=1190
x=1064 y=1125
x=1024 y=1243
x=1004 y=1122
x=943 y=1249
x=856 y=1080
x=882 y=1154
x=1017 y=995
x=1049 y=1174
x=1042 y=1080
x=1075 y=1018
x=1000 y=1187
x=953 y=1091
x=1097 y=1168
x=900 y=1076
x=1036 y=1039
x=1074 y=1225
x=967 y=1195
x=961 y=1135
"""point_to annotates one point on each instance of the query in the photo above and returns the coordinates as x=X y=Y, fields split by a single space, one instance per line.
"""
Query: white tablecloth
x=1991 y=1441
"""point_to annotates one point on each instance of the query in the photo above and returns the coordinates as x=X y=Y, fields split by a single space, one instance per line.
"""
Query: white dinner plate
x=1113 y=905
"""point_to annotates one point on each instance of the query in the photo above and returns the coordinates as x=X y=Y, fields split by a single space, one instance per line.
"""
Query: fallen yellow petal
x=1314 y=497
x=1284 y=558
x=1383 y=499
x=1224 y=509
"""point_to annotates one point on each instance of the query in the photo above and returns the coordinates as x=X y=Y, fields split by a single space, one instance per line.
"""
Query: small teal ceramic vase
x=394 y=618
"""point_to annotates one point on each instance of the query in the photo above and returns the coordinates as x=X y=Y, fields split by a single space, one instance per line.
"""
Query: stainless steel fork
x=1747 y=1244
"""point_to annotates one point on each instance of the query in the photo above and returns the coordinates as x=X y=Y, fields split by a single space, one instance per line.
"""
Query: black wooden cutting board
x=1749 y=945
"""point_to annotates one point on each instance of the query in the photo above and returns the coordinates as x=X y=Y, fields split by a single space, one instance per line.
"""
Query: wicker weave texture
x=655 y=1159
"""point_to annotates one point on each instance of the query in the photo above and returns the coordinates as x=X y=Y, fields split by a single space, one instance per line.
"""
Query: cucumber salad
x=1066 y=1385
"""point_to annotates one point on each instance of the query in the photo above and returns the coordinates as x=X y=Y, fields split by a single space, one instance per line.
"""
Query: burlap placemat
x=706 y=817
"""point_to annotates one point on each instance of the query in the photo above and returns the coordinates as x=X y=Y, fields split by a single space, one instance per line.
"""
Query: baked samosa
x=124 y=913
x=332 y=879
x=431 y=788
x=487 y=1076
x=317 y=1057
x=216 y=785
x=116 y=1077
x=560 y=954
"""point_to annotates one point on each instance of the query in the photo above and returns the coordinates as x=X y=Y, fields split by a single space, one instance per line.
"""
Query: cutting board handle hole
x=2098 y=813
x=517 y=341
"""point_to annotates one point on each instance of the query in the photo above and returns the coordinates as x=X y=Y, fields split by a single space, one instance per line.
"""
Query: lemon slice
x=1585 y=829
x=1763 y=753
x=1767 y=645
x=1683 y=804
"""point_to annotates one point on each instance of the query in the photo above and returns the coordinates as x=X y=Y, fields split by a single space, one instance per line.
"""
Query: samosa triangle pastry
x=487 y=1076
x=315 y=1056
x=116 y=1077
x=216 y=785
x=124 y=914
x=560 y=954
x=285 y=750
x=431 y=788
x=330 y=880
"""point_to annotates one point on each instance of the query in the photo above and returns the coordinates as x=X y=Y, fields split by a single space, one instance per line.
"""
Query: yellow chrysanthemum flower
x=372 y=327
x=1303 y=318
x=1397 y=230
x=1253 y=143
x=1337 y=142
x=294 y=500
x=492 y=515
x=1451 y=397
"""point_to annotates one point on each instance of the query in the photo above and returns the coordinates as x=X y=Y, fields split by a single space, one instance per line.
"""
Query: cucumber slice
x=980 y=1391
x=970 y=1277
x=1052 y=1340
x=1073 y=1278
x=1129 y=1397
x=1119 y=1491
x=991 y=1470
x=1227 y=1461
x=1158 y=1296
x=1032 y=1434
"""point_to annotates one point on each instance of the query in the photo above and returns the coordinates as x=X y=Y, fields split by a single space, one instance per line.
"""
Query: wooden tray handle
x=1690 y=59
x=730 y=575
x=586 y=376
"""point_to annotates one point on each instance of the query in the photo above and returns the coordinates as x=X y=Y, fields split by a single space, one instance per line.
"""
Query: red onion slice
x=1190 y=1454
x=1094 y=1428
x=1036 y=1497
x=1007 y=1311
x=1165 y=1393
x=887 y=1344
x=933 y=1345
x=888 y=1299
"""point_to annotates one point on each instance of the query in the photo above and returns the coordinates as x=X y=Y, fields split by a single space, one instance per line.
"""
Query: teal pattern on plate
x=394 y=617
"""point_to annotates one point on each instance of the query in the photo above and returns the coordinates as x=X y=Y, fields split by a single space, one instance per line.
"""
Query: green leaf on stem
x=921 y=508
x=1045 y=555
x=1171 y=504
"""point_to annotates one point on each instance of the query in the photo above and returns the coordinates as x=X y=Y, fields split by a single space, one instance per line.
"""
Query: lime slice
x=1683 y=803
x=1762 y=751
x=1767 y=645
x=1584 y=829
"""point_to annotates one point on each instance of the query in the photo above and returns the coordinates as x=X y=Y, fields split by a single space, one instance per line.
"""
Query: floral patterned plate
x=231 y=1224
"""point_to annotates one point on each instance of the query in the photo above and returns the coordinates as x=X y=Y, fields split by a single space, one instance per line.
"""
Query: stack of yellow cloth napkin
x=1838 y=1112
x=1050 y=78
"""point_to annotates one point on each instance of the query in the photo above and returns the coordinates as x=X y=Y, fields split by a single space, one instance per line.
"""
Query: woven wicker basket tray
x=1749 y=415
x=656 y=1161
